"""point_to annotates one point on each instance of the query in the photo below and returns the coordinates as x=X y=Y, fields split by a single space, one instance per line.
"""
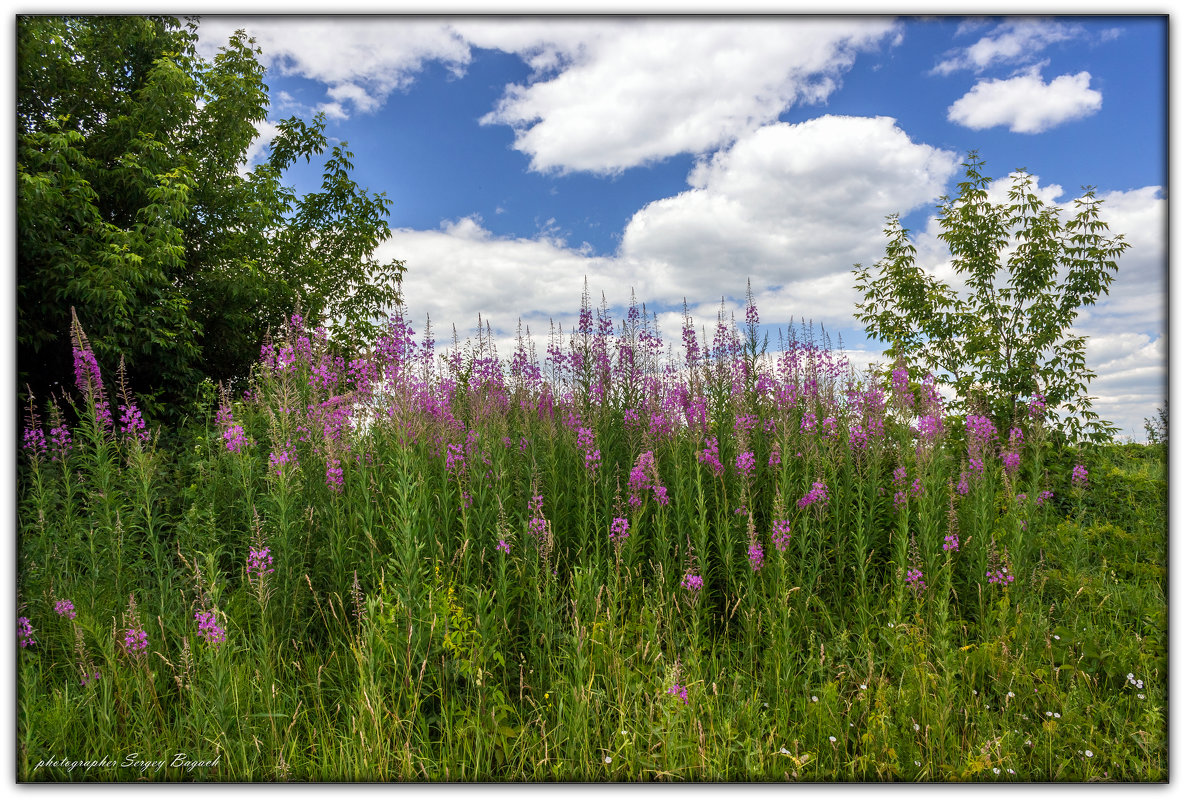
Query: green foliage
x=136 y=207
x=1007 y=335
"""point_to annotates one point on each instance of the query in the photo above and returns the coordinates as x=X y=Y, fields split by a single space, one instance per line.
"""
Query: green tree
x=1157 y=428
x=1005 y=335
x=136 y=206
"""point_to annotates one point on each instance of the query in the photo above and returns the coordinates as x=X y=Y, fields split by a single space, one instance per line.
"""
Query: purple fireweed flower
x=334 y=476
x=259 y=562
x=951 y=542
x=692 y=582
x=913 y=577
x=592 y=456
x=59 y=437
x=65 y=608
x=808 y=423
x=35 y=442
x=1043 y=497
x=454 y=460
x=1078 y=476
x=24 y=630
x=1037 y=406
x=131 y=423
x=999 y=576
x=980 y=433
x=619 y=529
x=963 y=488
x=818 y=494
x=930 y=428
x=901 y=394
x=744 y=423
x=710 y=456
x=537 y=525
x=277 y=460
x=756 y=556
x=87 y=377
x=209 y=629
x=135 y=642
x=980 y=429
x=1011 y=461
x=775 y=456
x=746 y=463
x=644 y=475
x=236 y=438
x=751 y=317
x=503 y=546
x=680 y=691
x=780 y=534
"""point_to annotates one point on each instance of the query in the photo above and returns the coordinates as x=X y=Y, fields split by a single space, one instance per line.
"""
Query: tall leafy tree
x=1005 y=335
x=136 y=206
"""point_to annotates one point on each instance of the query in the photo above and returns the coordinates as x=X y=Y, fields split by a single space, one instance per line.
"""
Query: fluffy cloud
x=1132 y=378
x=614 y=95
x=462 y=270
x=360 y=60
x=1025 y=103
x=787 y=205
x=1138 y=300
x=1012 y=42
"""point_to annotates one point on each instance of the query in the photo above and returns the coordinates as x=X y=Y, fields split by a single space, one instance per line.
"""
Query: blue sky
x=681 y=157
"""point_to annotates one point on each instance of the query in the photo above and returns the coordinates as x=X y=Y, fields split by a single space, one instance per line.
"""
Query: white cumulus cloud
x=787 y=205
x=1025 y=103
x=614 y=95
x=360 y=60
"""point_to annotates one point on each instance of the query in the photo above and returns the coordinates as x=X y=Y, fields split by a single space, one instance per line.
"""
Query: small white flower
x=608 y=759
x=917 y=764
x=766 y=704
x=1140 y=684
x=1029 y=743
x=863 y=686
x=784 y=751
x=1013 y=772
x=890 y=625
x=916 y=727
x=1140 y=696
x=975 y=692
x=1130 y=676
x=996 y=770
x=814 y=698
x=831 y=738
x=1011 y=694
x=1048 y=714
x=1089 y=753
x=624 y=732
x=1056 y=637
x=1057 y=714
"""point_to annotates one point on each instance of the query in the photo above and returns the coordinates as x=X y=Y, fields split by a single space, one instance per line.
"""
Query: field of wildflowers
x=623 y=560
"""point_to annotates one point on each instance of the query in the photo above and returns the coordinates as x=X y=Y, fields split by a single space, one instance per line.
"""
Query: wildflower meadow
x=619 y=558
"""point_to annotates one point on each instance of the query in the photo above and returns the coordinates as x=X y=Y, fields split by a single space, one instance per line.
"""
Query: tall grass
x=617 y=562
